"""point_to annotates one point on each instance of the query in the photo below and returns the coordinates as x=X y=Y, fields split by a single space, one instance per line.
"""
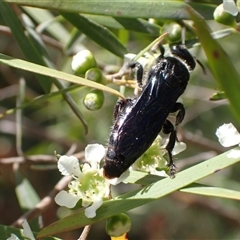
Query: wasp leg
x=139 y=72
x=181 y=112
x=168 y=128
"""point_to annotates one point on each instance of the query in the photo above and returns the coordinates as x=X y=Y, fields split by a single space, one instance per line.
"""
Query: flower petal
x=27 y=232
x=115 y=181
x=69 y=166
x=228 y=135
x=234 y=154
x=94 y=153
x=178 y=147
x=230 y=7
x=161 y=173
x=90 y=212
x=65 y=199
x=13 y=237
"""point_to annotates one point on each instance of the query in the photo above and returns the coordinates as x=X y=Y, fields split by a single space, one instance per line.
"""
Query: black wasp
x=139 y=120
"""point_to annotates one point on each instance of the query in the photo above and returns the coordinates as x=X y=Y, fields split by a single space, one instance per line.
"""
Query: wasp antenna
x=155 y=48
x=201 y=65
x=162 y=50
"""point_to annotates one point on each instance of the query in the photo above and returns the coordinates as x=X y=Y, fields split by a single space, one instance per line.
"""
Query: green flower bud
x=94 y=100
x=174 y=31
x=83 y=61
x=95 y=75
x=117 y=225
x=218 y=96
x=221 y=16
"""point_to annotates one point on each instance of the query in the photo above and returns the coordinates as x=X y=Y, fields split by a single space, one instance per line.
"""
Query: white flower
x=64 y=199
x=69 y=166
x=115 y=181
x=88 y=185
x=230 y=7
x=13 y=237
x=178 y=147
x=234 y=154
x=94 y=153
x=90 y=212
x=27 y=232
x=228 y=135
x=153 y=160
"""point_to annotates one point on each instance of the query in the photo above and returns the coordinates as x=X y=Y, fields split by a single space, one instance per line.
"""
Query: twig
x=85 y=232
x=201 y=142
x=209 y=205
x=37 y=158
x=25 y=159
x=47 y=40
x=44 y=204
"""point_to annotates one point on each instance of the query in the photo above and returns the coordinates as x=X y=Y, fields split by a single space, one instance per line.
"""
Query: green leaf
x=74 y=36
x=146 y=194
x=24 y=43
x=139 y=25
x=49 y=23
x=212 y=191
x=31 y=67
x=97 y=33
x=5 y=232
x=168 y=9
x=223 y=70
x=39 y=99
x=35 y=51
x=195 y=188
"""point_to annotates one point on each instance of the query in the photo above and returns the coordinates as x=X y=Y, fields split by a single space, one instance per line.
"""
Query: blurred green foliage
x=49 y=33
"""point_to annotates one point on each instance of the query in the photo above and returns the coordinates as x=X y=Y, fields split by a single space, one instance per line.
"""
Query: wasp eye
x=181 y=52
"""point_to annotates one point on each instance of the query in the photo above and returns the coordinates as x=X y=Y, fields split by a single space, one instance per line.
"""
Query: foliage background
x=50 y=125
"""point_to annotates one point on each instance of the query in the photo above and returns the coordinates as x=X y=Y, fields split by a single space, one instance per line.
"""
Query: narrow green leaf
x=97 y=33
x=74 y=36
x=31 y=67
x=35 y=51
x=138 y=25
x=143 y=195
x=223 y=70
x=167 y=9
x=142 y=178
x=24 y=43
x=195 y=188
x=51 y=25
x=212 y=191
x=39 y=99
